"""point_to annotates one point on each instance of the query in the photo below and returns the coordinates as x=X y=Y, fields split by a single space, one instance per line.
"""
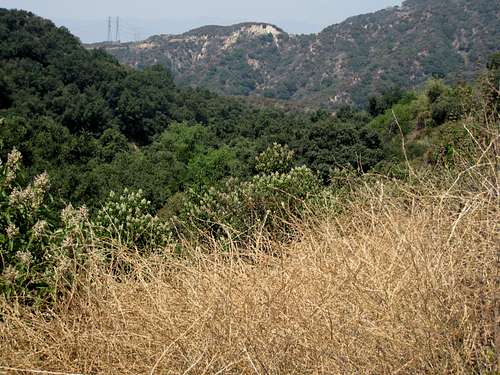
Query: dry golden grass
x=396 y=285
x=404 y=281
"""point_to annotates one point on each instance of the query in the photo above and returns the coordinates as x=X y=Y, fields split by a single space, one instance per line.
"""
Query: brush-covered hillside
x=374 y=275
x=96 y=126
x=344 y=64
x=147 y=228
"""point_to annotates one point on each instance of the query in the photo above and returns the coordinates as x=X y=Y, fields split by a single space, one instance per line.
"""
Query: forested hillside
x=97 y=126
x=344 y=64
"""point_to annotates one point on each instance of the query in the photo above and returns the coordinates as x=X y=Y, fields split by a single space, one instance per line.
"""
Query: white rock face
x=261 y=30
x=252 y=30
x=231 y=40
x=146 y=45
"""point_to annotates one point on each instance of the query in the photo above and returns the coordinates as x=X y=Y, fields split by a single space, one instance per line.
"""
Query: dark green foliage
x=5 y=93
x=491 y=83
x=445 y=103
x=265 y=204
x=331 y=145
x=97 y=127
x=379 y=104
x=435 y=89
x=206 y=169
x=494 y=62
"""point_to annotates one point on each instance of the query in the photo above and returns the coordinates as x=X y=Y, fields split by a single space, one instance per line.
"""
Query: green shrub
x=27 y=262
x=43 y=250
x=266 y=203
x=275 y=158
x=436 y=89
x=127 y=218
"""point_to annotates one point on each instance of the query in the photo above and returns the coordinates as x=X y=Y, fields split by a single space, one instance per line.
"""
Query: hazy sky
x=140 y=19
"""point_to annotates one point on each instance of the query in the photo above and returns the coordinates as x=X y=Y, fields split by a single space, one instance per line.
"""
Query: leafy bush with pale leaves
x=42 y=250
x=266 y=203
x=128 y=218
x=275 y=158
x=26 y=261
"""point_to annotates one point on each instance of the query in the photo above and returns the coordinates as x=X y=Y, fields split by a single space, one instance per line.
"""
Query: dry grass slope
x=402 y=282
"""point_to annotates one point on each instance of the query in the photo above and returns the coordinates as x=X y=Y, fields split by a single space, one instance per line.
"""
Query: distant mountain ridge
x=343 y=64
x=215 y=30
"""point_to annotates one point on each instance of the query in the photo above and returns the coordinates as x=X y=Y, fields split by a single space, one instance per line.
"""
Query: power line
x=118 y=28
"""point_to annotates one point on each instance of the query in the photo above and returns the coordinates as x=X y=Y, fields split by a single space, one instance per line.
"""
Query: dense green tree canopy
x=97 y=126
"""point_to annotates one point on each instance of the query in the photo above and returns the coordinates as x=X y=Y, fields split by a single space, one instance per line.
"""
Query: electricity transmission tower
x=109 y=29
x=117 y=35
